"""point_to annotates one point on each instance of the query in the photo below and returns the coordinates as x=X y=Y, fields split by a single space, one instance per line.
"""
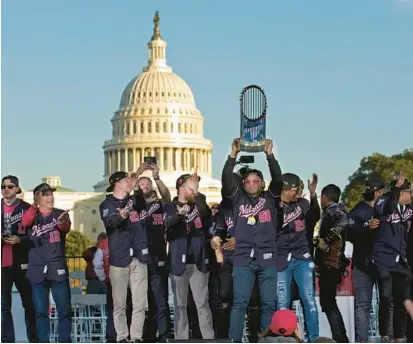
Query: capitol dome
x=157 y=116
x=157 y=86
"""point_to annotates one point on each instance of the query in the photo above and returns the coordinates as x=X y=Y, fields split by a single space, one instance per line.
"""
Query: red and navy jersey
x=151 y=214
x=47 y=259
x=292 y=239
x=188 y=235
x=127 y=237
x=255 y=217
x=11 y=218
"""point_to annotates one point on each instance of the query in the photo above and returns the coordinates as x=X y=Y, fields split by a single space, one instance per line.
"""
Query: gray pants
x=134 y=275
x=199 y=285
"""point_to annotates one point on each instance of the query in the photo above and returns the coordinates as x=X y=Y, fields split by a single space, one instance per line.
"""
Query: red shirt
x=104 y=246
x=7 y=250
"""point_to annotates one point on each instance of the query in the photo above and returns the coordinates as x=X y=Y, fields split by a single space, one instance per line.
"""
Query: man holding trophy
x=254 y=212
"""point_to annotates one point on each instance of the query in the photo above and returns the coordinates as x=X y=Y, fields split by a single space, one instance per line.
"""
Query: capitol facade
x=157 y=116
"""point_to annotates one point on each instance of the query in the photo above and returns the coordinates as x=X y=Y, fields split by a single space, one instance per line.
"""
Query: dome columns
x=170 y=159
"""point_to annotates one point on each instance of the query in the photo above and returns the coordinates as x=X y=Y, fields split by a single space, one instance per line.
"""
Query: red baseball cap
x=283 y=322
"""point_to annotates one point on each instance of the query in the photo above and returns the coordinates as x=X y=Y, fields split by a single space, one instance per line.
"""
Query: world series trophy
x=253 y=105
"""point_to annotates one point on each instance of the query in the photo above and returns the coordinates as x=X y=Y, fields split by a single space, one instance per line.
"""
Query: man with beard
x=360 y=233
x=390 y=256
x=14 y=261
x=150 y=209
x=47 y=270
x=255 y=253
x=128 y=256
x=187 y=221
x=294 y=258
x=330 y=259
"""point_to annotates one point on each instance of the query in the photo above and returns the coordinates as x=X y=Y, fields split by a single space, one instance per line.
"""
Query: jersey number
x=264 y=216
x=54 y=236
x=157 y=219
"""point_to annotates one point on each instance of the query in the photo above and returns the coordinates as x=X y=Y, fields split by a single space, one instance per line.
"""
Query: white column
x=209 y=162
x=139 y=158
x=188 y=159
x=134 y=159
x=126 y=150
x=109 y=162
x=152 y=151
x=201 y=167
x=178 y=159
x=170 y=159
x=161 y=158
x=118 y=160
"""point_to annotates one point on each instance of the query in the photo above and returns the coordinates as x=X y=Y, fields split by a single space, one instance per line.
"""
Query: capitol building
x=157 y=116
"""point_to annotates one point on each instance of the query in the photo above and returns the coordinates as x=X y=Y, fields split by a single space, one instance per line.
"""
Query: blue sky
x=338 y=77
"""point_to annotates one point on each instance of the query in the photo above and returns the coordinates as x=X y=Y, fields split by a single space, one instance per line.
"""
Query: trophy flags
x=253 y=105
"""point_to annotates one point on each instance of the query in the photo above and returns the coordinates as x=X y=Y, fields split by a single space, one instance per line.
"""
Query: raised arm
x=163 y=190
x=387 y=205
x=275 y=170
x=230 y=185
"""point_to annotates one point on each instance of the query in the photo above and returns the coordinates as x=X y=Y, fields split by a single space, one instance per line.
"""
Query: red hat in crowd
x=283 y=322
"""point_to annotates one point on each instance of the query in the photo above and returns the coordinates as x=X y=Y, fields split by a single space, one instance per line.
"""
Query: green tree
x=76 y=243
x=376 y=166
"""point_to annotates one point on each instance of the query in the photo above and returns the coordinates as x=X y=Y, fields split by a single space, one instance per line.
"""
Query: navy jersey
x=47 y=259
x=188 y=235
x=360 y=235
x=151 y=214
x=390 y=242
x=292 y=239
x=11 y=224
x=255 y=228
x=127 y=237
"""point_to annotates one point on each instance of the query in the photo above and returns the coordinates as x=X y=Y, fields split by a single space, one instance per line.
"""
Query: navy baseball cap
x=43 y=188
x=375 y=185
x=253 y=171
x=115 y=177
x=291 y=181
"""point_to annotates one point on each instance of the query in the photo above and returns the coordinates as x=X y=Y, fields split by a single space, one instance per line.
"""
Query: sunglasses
x=8 y=186
x=252 y=182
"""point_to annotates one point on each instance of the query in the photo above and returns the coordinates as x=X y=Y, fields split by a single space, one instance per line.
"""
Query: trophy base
x=252 y=147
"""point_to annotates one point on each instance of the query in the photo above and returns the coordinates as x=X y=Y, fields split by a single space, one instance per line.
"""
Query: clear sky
x=338 y=77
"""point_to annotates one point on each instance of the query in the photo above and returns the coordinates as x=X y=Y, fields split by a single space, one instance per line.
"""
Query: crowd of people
x=250 y=256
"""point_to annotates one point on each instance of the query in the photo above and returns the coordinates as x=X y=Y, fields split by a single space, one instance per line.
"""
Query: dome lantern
x=157 y=49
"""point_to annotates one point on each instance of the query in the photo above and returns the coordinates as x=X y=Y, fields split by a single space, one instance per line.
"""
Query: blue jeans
x=243 y=278
x=10 y=275
x=302 y=271
x=158 y=320
x=363 y=285
x=62 y=298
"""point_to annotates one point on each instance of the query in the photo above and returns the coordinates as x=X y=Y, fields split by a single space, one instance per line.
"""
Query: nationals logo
x=250 y=210
x=41 y=229
x=11 y=220
x=146 y=213
x=396 y=218
x=292 y=216
x=229 y=222
x=192 y=215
